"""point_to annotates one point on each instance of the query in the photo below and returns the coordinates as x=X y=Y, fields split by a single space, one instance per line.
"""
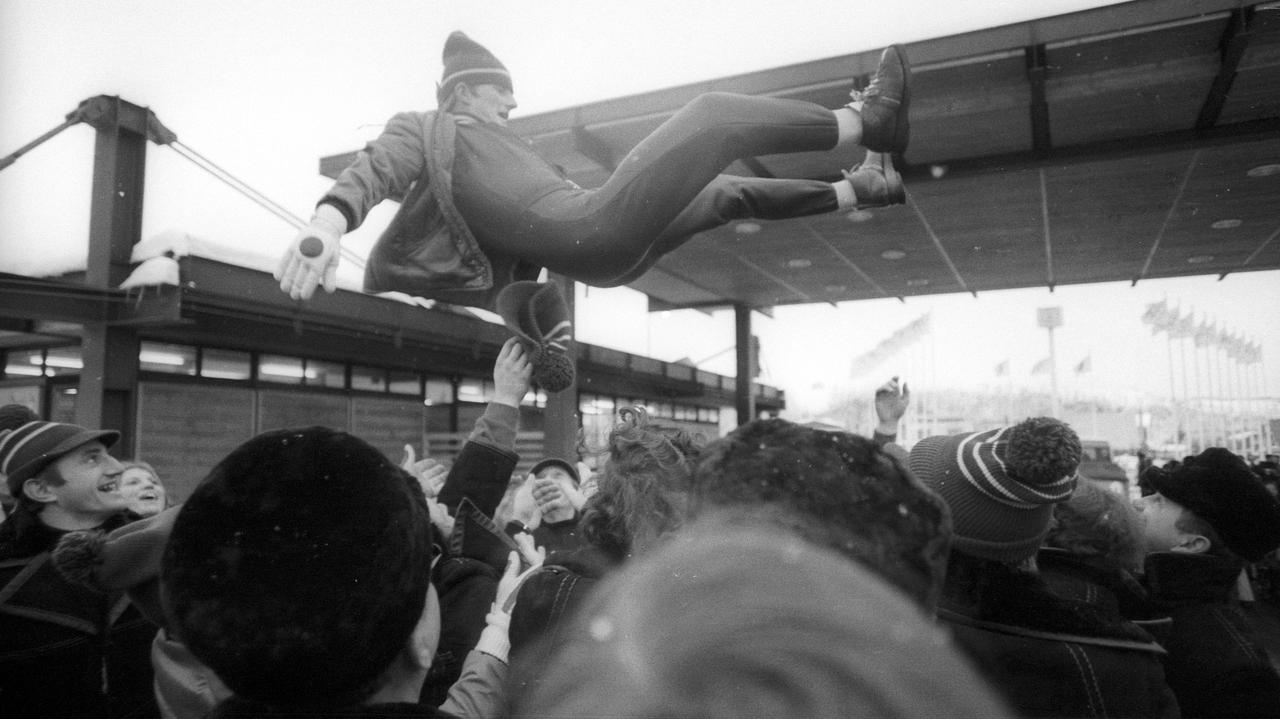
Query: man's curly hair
x=840 y=491
x=643 y=484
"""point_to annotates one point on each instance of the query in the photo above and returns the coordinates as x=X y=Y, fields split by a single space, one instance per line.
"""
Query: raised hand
x=892 y=401
x=512 y=373
x=312 y=258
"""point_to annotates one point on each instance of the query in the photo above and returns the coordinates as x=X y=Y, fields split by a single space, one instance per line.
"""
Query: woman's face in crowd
x=142 y=491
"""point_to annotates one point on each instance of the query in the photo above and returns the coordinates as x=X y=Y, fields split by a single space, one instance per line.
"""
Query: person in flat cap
x=1048 y=655
x=65 y=650
x=480 y=209
x=641 y=501
x=1207 y=519
x=301 y=571
x=553 y=487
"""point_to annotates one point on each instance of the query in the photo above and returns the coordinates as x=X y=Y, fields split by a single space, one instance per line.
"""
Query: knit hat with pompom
x=538 y=314
x=1001 y=484
x=466 y=60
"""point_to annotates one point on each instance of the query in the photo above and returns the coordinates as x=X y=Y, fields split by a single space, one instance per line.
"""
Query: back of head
x=732 y=620
x=13 y=416
x=1100 y=526
x=299 y=567
x=643 y=486
x=1219 y=488
x=842 y=492
x=1001 y=484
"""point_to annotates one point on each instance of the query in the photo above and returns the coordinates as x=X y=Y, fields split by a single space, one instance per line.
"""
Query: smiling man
x=65 y=650
x=480 y=209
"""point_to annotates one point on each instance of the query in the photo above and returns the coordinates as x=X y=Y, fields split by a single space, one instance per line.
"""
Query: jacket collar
x=1001 y=595
x=1175 y=578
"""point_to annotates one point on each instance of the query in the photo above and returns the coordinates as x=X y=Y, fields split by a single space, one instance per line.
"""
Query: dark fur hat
x=299 y=567
x=1218 y=487
x=843 y=492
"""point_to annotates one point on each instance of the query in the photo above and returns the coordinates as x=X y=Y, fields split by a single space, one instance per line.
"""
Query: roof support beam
x=560 y=417
x=1048 y=241
x=744 y=399
x=1125 y=147
x=795 y=291
x=1252 y=255
x=850 y=264
x=1235 y=40
x=119 y=169
x=937 y=243
x=1037 y=70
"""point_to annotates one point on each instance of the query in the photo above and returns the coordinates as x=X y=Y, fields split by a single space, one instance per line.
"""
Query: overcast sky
x=266 y=88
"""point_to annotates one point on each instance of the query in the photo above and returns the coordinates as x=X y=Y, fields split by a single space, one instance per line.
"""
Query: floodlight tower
x=1050 y=318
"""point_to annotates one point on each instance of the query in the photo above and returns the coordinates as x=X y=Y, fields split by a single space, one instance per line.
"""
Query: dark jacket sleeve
x=384 y=169
x=484 y=467
x=543 y=611
x=467 y=588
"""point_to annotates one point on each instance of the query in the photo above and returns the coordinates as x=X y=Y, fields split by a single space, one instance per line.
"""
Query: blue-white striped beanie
x=1001 y=484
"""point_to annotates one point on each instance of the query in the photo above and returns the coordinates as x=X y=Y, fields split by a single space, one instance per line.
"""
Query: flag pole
x=1173 y=393
x=1195 y=357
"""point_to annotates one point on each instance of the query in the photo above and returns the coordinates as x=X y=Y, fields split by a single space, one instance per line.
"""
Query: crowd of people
x=780 y=569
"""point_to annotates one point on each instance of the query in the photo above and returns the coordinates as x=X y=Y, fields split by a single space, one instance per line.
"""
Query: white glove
x=494 y=639
x=312 y=259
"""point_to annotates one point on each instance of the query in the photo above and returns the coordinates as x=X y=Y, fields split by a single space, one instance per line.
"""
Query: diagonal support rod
x=937 y=243
x=1173 y=207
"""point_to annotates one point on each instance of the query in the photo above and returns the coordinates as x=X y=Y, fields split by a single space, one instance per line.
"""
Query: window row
x=594 y=404
x=222 y=364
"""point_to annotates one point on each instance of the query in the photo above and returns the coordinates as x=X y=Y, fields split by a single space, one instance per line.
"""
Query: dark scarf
x=237 y=708
x=995 y=592
x=24 y=535
x=1120 y=591
x=1179 y=578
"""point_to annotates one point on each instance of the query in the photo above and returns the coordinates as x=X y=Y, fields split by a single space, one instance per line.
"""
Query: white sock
x=845 y=197
x=848 y=124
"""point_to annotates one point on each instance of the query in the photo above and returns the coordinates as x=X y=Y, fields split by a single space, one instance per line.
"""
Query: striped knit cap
x=466 y=60
x=538 y=314
x=1001 y=484
x=27 y=450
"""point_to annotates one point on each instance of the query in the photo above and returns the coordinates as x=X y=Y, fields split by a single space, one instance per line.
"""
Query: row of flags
x=1045 y=366
x=901 y=339
x=1171 y=321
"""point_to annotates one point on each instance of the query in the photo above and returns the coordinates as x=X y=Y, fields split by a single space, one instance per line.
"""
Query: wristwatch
x=515 y=527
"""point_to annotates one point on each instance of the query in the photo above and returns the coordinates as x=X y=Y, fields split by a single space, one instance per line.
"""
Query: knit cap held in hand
x=537 y=313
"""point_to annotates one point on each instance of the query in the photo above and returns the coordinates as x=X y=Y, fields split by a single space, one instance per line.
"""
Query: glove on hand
x=312 y=259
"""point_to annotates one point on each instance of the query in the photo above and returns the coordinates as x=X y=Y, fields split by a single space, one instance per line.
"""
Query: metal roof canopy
x=1110 y=144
